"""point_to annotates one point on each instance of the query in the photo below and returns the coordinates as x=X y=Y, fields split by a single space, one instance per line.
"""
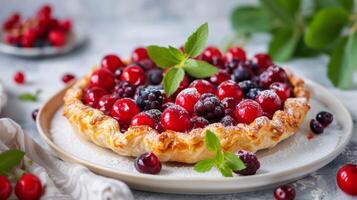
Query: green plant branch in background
x=329 y=27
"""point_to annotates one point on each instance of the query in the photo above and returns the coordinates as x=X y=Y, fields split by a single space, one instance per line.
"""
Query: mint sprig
x=27 y=96
x=225 y=162
x=10 y=159
x=180 y=62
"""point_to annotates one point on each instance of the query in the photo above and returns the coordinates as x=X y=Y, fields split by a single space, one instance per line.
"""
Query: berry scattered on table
x=34 y=114
x=148 y=163
x=28 y=187
x=5 y=187
x=284 y=192
x=347 y=179
x=19 y=77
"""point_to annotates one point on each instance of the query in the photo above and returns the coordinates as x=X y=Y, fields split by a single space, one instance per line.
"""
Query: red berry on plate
x=102 y=78
x=57 y=38
x=5 y=187
x=247 y=111
x=19 y=77
x=202 y=86
x=176 y=118
x=66 y=25
x=28 y=187
x=281 y=89
x=148 y=163
x=250 y=161
x=229 y=89
x=316 y=127
x=134 y=74
x=234 y=53
x=106 y=103
x=347 y=179
x=66 y=78
x=139 y=54
x=220 y=77
x=269 y=101
x=93 y=95
x=262 y=60
x=271 y=75
x=210 y=53
x=34 y=114
x=284 y=192
x=143 y=119
x=124 y=110
x=111 y=62
x=187 y=99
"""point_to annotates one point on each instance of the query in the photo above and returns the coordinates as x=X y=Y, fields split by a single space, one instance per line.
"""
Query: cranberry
x=269 y=101
x=106 y=103
x=143 y=119
x=347 y=179
x=250 y=161
x=325 y=118
x=281 y=89
x=93 y=95
x=45 y=10
x=124 y=110
x=19 y=77
x=34 y=114
x=28 y=187
x=199 y=122
x=187 y=99
x=111 y=62
x=210 y=53
x=102 y=78
x=139 y=54
x=262 y=60
x=5 y=188
x=175 y=118
x=134 y=74
x=202 y=86
x=271 y=75
x=229 y=89
x=148 y=163
x=57 y=38
x=247 y=111
x=316 y=126
x=184 y=84
x=66 y=25
x=229 y=104
x=235 y=53
x=66 y=78
x=284 y=192
x=220 y=77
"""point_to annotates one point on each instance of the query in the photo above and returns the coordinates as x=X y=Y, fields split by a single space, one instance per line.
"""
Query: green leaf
x=233 y=161
x=9 y=159
x=162 y=56
x=343 y=62
x=204 y=165
x=348 y=5
x=172 y=80
x=197 y=41
x=251 y=19
x=283 y=44
x=283 y=10
x=176 y=53
x=225 y=170
x=302 y=50
x=29 y=96
x=326 y=27
x=199 y=69
x=212 y=141
x=219 y=157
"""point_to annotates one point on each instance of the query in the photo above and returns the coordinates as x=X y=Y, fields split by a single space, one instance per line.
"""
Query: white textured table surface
x=121 y=37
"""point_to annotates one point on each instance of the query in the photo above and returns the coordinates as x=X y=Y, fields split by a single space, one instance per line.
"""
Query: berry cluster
x=28 y=186
x=322 y=120
x=43 y=29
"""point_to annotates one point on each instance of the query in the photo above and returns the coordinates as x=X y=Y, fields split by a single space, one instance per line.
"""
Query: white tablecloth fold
x=62 y=180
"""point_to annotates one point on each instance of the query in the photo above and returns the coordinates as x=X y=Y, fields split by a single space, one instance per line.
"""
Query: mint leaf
x=197 y=41
x=348 y=5
x=176 y=53
x=225 y=170
x=9 y=159
x=204 y=165
x=199 y=69
x=326 y=27
x=212 y=142
x=172 y=80
x=251 y=19
x=283 y=43
x=233 y=161
x=29 y=96
x=343 y=62
x=162 y=56
x=282 y=11
x=219 y=157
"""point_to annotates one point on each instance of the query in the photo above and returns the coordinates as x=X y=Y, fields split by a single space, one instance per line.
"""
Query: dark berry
x=34 y=114
x=250 y=161
x=284 y=192
x=146 y=64
x=134 y=74
x=149 y=98
x=176 y=118
x=148 y=163
x=124 y=110
x=199 y=122
x=139 y=54
x=187 y=99
x=252 y=93
x=231 y=65
x=209 y=107
x=154 y=76
x=118 y=73
x=19 y=77
x=66 y=78
x=124 y=89
x=111 y=62
x=325 y=118
x=229 y=89
x=247 y=111
x=316 y=127
x=167 y=105
x=241 y=74
x=202 y=86
x=220 y=77
x=247 y=85
x=228 y=121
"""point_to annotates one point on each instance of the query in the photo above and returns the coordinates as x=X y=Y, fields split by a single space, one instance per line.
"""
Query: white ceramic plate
x=292 y=159
x=73 y=41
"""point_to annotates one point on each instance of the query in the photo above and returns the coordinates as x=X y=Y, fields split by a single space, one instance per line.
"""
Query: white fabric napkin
x=62 y=180
x=3 y=96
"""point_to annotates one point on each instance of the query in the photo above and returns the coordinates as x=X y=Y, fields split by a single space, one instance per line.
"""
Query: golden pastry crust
x=188 y=147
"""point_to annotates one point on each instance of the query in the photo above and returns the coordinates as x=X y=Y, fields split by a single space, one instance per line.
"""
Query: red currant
x=134 y=74
x=269 y=101
x=28 y=187
x=57 y=38
x=93 y=95
x=262 y=60
x=235 y=53
x=111 y=62
x=347 y=179
x=106 y=103
x=187 y=99
x=271 y=75
x=202 y=86
x=66 y=78
x=124 y=110
x=148 y=163
x=229 y=89
x=247 y=111
x=176 y=118
x=220 y=77
x=281 y=89
x=102 y=78
x=19 y=77
x=284 y=192
x=5 y=188
x=139 y=54
x=143 y=119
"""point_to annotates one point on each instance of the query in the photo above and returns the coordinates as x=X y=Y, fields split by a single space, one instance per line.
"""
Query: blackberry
x=209 y=107
x=247 y=85
x=199 y=122
x=228 y=121
x=252 y=93
x=241 y=74
x=124 y=89
x=250 y=161
x=154 y=76
x=149 y=98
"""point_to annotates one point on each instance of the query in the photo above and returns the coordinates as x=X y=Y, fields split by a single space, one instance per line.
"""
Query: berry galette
x=165 y=106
